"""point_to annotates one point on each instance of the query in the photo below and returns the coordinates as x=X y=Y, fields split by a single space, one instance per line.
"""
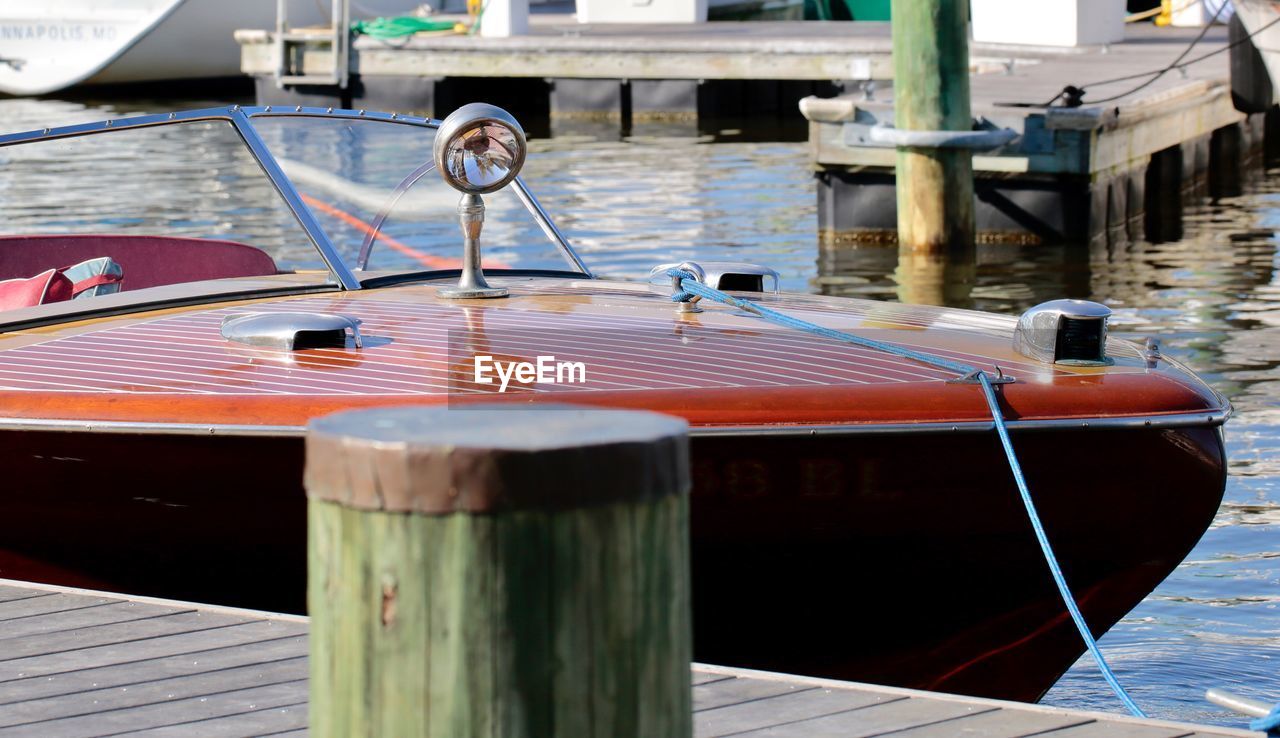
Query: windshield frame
x=241 y=119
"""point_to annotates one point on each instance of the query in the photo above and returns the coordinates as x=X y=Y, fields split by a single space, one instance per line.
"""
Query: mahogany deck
x=718 y=367
x=81 y=663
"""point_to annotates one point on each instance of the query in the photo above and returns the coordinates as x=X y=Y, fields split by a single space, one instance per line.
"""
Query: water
x=1213 y=298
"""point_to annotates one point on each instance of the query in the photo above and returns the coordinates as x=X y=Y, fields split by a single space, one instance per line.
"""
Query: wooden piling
x=931 y=93
x=499 y=572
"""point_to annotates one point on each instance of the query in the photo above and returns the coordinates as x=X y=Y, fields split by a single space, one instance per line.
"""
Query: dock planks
x=77 y=664
x=1172 y=109
x=558 y=46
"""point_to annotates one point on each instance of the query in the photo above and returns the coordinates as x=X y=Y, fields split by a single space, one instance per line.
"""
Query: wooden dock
x=569 y=70
x=81 y=663
x=635 y=72
x=1117 y=169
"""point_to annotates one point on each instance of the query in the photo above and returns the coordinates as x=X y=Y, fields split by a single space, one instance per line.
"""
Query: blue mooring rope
x=1049 y=557
x=1269 y=724
x=691 y=288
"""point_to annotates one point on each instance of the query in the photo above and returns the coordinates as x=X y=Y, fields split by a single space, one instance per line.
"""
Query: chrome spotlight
x=1072 y=332
x=478 y=149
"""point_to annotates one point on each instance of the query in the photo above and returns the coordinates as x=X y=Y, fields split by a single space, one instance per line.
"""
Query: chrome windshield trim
x=549 y=226
x=1208 y=419
x=115 y=124
x=293 y=199
x=1212 y=418
x=124 y=426
x=299 y=111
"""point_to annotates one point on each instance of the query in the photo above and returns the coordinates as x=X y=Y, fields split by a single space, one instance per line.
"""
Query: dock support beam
x=499 y=570
x=931 y=93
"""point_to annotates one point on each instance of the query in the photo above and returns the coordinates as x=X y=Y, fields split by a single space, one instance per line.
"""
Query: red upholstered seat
x=47 y=286
x=147 y=261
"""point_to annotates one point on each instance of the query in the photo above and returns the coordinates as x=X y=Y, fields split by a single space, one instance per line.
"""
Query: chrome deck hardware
x=689 y=305
x=471 y=283
x=1151 y=352
x=1070 y=332
x=972 y=378
x=726 y=275
x=478 y=149
x=292 y=331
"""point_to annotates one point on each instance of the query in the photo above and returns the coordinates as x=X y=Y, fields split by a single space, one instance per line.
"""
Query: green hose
x=404 y=25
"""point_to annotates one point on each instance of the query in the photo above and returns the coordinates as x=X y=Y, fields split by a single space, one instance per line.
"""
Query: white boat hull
x=53 y=44
x=1255 y=15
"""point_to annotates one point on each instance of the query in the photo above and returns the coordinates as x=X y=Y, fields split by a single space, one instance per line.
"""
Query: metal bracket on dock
x=291 y=44
x=985 y=136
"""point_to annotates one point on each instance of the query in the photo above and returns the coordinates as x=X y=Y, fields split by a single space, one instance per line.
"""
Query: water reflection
x=1214 y=298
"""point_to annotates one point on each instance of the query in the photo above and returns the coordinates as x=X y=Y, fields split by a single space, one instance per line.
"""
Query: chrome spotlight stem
x=471 y=283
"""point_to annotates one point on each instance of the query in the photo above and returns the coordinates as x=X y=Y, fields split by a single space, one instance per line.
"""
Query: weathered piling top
x=81 y=663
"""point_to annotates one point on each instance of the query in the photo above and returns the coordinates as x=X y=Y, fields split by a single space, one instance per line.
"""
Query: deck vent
x=1072 y=332
x=292 y=331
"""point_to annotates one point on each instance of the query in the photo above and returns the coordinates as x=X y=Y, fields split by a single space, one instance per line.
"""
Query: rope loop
x=686 y=271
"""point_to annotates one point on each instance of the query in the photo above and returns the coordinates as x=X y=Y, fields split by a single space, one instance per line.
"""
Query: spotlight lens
x=482 y=157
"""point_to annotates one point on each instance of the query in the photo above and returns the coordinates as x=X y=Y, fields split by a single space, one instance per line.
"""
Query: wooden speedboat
x=852 y=513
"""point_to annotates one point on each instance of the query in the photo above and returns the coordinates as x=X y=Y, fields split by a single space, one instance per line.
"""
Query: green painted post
x=499 y=572
x=931 y=93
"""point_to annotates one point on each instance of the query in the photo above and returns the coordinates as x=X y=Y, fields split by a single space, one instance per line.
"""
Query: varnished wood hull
x=901 y=559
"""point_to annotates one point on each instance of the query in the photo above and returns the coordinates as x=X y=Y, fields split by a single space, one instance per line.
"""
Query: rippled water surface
x=1213 y=298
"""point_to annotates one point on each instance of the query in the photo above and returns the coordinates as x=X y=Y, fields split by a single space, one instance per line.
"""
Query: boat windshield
x=373 y=189
x=225 y=201
x=130 y=214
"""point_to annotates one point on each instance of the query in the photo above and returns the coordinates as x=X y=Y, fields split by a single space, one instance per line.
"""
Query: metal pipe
x=342 y=40
x=282 y=26
x=974 y=140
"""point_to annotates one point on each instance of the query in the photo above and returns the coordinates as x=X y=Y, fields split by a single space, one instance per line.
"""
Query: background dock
x=616 y=71
x=567 y=70
x=81 y=663
x=1118 y=169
